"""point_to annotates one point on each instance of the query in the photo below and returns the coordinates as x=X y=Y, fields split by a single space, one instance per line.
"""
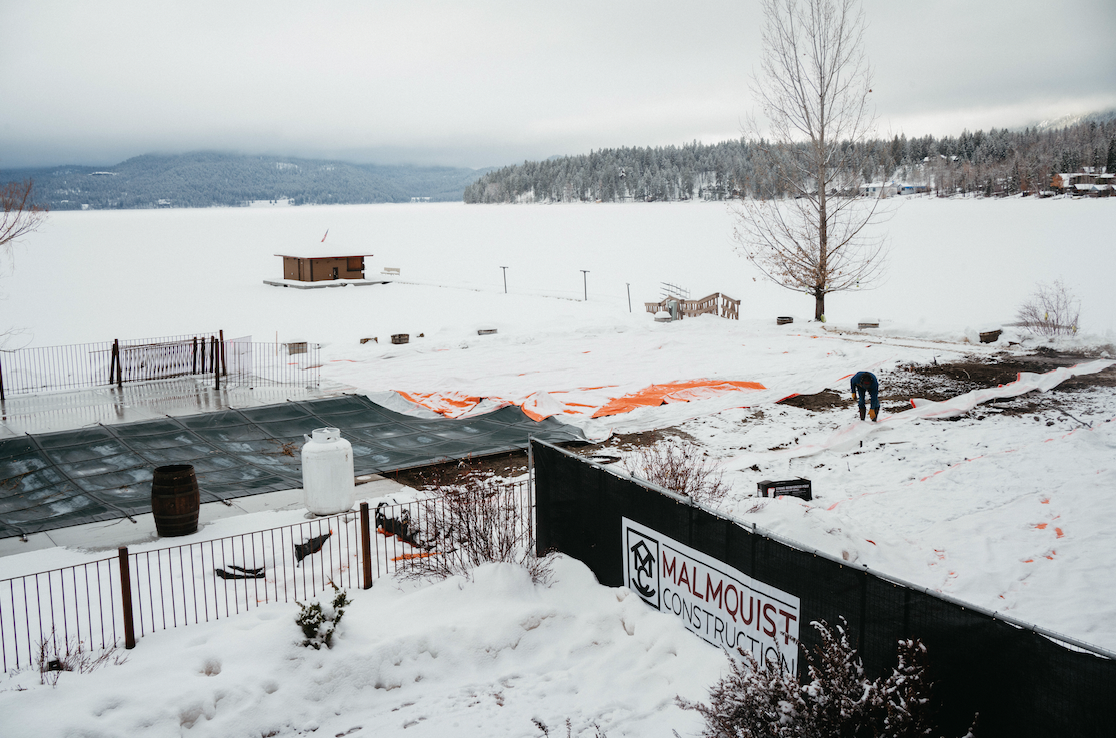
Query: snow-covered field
x=1008 y=507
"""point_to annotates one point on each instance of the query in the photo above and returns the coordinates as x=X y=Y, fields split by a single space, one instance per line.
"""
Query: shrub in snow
x=757 y=700
x=476 y=522
x=318 y=624
x=545 y=729
x=53 y=658
x=680 y=467
x=1053 y=310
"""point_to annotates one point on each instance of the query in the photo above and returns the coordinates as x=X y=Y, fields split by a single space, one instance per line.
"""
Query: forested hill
x=206 y=179
x=996 y=162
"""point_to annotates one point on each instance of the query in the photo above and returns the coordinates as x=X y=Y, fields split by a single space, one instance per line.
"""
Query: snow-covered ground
x=1008 y=507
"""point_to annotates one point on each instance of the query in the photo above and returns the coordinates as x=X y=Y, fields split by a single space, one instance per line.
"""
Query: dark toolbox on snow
x=800 y=488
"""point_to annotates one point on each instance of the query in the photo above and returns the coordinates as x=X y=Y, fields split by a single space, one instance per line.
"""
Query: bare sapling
x=1052 y=310
x=475 y=522
x=71 y=655
x=680 y=467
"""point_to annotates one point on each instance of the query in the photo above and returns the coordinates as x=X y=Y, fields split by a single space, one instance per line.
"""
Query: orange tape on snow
x=660 y=394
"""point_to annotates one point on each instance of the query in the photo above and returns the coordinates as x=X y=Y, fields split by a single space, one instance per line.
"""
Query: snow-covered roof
x=324 y=252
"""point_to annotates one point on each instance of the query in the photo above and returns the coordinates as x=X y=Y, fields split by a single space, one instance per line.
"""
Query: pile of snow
x=486 y=657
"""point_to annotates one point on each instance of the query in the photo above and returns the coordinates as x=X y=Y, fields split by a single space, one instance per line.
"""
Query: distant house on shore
x=890 y=189
x=318 y=265
x=1088 y=182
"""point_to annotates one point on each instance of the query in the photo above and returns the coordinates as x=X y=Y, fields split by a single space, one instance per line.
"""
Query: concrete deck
x=69 y=410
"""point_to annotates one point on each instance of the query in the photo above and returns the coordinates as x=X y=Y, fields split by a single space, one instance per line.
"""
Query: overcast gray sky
x=491 y=82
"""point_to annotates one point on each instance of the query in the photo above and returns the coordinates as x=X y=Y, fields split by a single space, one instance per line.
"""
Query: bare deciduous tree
x=20 y=215
x=1053 y=310
x=811 y=233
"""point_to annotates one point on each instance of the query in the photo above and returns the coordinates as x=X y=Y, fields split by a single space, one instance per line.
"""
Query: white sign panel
x=715 y=601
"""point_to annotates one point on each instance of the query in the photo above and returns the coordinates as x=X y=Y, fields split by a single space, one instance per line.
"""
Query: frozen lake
x=954 y=264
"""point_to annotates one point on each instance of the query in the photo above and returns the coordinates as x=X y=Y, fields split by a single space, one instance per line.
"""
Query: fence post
x=126 y=598
x=366 y=545
x=215 y=362
x=1 y=381
x=115 y=363
x=224 y=362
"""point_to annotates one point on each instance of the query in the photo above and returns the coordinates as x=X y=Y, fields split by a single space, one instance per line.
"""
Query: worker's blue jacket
x=866 y=382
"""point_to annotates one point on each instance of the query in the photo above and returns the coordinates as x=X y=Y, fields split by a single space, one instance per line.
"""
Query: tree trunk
x=819 y=305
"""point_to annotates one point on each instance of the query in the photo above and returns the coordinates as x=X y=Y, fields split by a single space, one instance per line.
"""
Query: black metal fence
x=1023 y=680
x=227 y=362
x=113 y=601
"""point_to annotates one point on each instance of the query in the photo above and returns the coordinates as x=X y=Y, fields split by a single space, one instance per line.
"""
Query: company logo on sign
x=643 y=566
x=720 y=604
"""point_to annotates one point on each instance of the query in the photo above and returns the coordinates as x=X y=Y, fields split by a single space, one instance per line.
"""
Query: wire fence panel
x=261 y=364
x=51 y=612
x=210 y=580
x=238 y=362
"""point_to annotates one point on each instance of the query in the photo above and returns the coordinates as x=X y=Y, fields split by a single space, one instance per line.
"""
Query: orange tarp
x=660 y=394
x=542 y=405
x=450 y=404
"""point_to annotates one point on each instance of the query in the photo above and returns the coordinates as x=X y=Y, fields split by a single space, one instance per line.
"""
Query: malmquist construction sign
x=715 y=601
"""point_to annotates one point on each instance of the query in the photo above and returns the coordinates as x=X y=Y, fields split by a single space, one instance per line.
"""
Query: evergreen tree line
x=207 y=179
x=999 y=162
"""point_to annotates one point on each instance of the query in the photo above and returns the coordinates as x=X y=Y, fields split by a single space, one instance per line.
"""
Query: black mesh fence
x=1021 y=681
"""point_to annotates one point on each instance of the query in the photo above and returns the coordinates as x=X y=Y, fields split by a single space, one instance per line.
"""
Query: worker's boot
x=862 y=412
x=872 y=414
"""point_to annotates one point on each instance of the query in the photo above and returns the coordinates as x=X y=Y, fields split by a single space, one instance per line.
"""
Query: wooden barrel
x=175 y=500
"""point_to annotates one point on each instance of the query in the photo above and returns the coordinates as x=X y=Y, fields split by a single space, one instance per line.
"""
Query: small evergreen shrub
x=317 y=624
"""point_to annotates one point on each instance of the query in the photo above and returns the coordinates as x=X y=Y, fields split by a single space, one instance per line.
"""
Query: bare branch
x=20 y=216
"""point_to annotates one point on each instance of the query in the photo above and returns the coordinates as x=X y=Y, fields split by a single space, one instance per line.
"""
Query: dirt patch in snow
x=942 y=381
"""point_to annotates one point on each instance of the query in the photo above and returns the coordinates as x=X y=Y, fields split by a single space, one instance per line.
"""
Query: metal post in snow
x=505 y=279
x=126 y=598
x=365 y=546
x=585 y=283
x=629 y=286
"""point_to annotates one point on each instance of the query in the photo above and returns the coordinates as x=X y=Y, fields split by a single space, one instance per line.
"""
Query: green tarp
x=55 y=480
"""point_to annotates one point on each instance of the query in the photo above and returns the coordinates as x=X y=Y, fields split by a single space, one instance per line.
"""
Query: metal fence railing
x=235 y=362
x=113 y=601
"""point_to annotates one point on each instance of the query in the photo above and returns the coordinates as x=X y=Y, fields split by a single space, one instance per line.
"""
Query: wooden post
x=1 y=381
x=115 y=363
x=195 y=364
x=224 y=363
x=366 y=545
x=126 y=598
x=214 y=362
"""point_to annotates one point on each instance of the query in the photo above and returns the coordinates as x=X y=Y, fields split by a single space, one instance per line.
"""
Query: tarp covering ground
x=593 y=402
x=849 y=435
x=55 y=480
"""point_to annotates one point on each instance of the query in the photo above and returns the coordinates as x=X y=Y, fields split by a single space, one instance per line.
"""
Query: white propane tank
x=327 y=472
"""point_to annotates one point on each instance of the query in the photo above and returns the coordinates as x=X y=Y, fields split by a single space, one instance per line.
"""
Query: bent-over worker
x=865 y=383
